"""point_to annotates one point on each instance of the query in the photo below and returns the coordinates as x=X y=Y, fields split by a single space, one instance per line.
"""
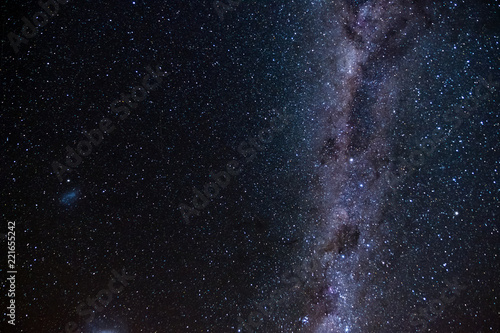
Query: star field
x=244 y=166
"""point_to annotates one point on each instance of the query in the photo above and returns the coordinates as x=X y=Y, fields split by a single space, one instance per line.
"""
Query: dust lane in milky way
x=367 y=48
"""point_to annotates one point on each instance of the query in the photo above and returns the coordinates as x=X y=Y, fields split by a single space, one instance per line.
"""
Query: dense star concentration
x=246 y=166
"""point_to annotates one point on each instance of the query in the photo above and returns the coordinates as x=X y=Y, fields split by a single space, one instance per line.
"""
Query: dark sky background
x=353 y=84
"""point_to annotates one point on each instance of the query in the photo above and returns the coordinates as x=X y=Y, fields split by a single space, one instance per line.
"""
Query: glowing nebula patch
x=69 y=198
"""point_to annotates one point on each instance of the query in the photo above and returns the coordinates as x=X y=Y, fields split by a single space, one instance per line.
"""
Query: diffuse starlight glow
x=354 y=150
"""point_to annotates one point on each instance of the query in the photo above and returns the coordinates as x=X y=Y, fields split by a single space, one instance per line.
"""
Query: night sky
x=251 y=166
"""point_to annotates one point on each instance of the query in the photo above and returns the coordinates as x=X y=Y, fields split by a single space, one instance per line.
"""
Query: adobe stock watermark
x=297 y=278
x=222 y=8
x=461 y=112
x=103 y=298
x=50 y=8
x=220 y=180
x=435 y=308
x=121 y=107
